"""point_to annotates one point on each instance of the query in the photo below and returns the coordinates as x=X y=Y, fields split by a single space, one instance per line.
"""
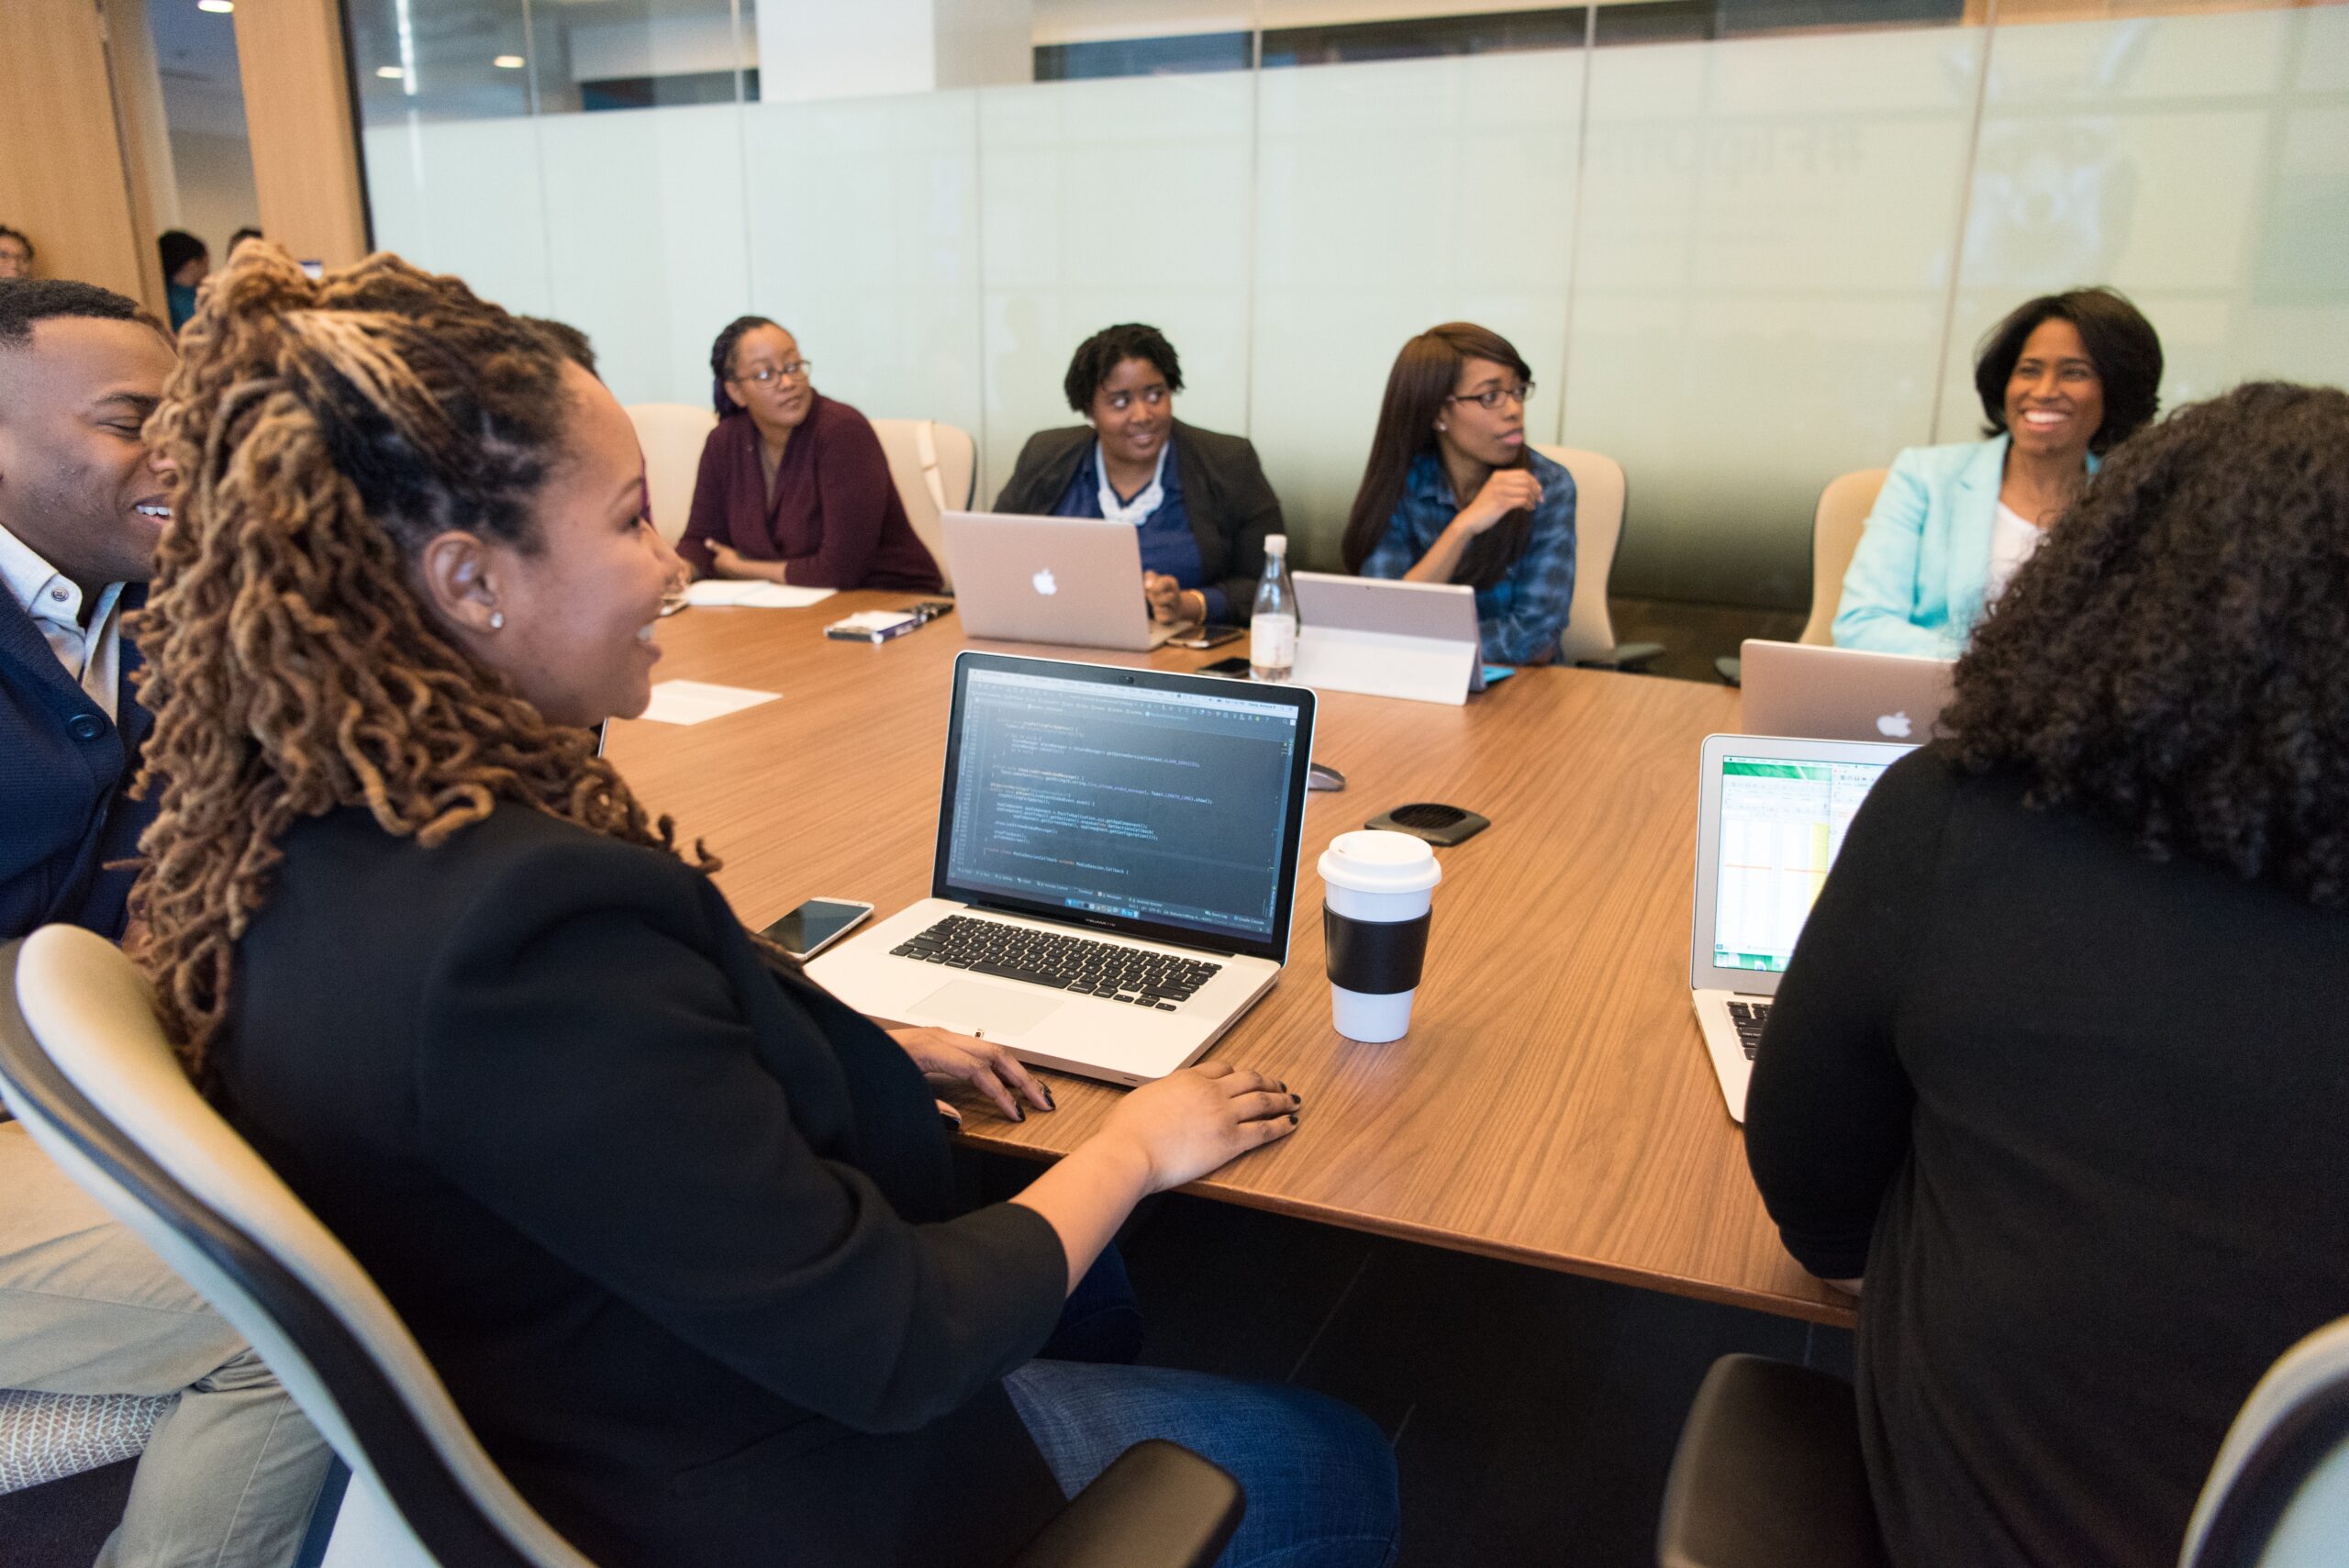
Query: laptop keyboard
x=1140 y=975
x=1748 y=1017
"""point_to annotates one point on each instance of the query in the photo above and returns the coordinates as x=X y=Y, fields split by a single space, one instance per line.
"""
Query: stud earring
x=497 y=620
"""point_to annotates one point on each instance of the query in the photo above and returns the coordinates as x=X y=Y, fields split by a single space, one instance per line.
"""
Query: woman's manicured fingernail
x=1297 y=1100
x=1049 y=1104
x=1292 y=1119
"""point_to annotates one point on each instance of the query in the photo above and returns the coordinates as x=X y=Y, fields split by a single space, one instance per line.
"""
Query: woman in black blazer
x=1198 y=498
x=2059 y=1065
x=677 y=1228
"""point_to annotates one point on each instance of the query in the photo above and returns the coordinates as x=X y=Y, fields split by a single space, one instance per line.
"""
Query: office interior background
x=1747 y=245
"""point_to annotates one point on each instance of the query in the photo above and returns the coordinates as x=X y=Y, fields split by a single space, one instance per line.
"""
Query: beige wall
x=297 y=110
x=62 y=177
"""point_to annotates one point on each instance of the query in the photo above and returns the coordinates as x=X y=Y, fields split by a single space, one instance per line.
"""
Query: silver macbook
x=1842 y=693
x=1770 y=816
x=1117 y=860
x=1074 y=581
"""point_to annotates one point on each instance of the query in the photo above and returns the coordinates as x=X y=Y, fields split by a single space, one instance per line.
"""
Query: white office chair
x=1600 y=495
x=936 y=469
x=1835 y=529
x=672 y=435
x=86 y=1066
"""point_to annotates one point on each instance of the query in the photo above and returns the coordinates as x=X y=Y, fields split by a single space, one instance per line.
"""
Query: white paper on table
x=743 y=593
x=690 y=702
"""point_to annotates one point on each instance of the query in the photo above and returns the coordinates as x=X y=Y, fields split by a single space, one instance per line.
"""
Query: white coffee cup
x=1377 y=888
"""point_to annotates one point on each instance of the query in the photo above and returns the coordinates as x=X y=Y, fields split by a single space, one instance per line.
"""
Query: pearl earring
x=497 y=620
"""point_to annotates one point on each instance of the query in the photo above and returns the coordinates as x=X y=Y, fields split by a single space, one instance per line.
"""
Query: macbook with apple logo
x=1842 y=694
x=1075 y=581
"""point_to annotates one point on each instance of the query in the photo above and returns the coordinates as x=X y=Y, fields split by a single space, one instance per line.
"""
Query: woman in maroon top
x=792 y=486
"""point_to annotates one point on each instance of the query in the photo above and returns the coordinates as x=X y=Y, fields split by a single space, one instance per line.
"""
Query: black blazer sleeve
x=1826 y=1115
x=1232 y=517
x=1043 y=469
x=593 y=1068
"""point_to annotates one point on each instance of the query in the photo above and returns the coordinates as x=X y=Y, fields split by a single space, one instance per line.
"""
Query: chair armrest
x=1157 y=1507
x=1626 y=656
x=1768 y=1474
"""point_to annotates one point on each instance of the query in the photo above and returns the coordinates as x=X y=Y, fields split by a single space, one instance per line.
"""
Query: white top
x=2013 y=539
x=92 y=657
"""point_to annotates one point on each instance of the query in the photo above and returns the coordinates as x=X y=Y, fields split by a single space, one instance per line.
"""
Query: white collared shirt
x=93 y=656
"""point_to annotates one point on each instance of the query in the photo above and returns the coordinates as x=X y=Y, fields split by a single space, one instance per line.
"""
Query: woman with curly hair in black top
x=2059 y=1062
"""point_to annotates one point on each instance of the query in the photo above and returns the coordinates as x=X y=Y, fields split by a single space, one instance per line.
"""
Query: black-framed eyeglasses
x=796 y=371
x=1494 y=396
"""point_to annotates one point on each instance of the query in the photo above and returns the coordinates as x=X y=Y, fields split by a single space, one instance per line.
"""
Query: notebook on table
x=1771 y=814
x=1116 y=866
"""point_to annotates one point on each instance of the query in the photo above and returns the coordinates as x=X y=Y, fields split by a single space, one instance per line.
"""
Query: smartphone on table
x=1207 y=636
x=817 y=924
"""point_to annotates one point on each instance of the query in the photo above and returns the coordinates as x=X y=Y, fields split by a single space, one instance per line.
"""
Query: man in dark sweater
x=230 y=1471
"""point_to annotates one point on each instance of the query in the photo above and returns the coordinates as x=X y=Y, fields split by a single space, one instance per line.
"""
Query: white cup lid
x=1371 y=860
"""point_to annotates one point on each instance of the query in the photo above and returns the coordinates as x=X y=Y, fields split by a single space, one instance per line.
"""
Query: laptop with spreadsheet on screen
x=1771 y=814
x=1117 y=862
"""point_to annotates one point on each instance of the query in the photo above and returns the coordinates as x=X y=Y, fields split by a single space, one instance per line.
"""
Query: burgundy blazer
x=836 y=520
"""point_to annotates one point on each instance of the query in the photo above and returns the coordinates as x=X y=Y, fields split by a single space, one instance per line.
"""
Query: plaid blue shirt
x=1522 y=615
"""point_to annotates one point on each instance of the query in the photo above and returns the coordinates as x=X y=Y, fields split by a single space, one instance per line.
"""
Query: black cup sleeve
x=1375 y=958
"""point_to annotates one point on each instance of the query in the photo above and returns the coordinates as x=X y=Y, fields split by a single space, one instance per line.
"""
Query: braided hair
x=322 y=432
x=721 y=362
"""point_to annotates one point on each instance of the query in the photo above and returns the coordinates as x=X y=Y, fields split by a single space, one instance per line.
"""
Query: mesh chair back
x=86 y=1066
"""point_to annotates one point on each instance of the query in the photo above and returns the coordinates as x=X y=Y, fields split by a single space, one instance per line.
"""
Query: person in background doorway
x=1197 y=498
x=794 y=486
x=1452 y=493
x=248 y=232
x=186 y=263
x=16 y=255
x=2062 y=380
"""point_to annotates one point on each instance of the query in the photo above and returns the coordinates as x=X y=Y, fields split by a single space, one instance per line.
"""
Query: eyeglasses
x=1494 y=396
x=796 y=371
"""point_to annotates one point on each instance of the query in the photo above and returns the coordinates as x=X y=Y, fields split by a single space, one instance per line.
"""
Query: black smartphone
x=817 y=924
x=1208 y=636
x=1236 y=665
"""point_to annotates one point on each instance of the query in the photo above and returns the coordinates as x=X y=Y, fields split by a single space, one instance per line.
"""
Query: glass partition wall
x=1747 y=245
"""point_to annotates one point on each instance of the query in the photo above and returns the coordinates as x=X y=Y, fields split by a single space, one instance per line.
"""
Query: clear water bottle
x=1272 y=629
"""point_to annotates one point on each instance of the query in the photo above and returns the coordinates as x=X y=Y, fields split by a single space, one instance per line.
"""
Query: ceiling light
x=508 y=62
x=389 y=72
x=217 y=7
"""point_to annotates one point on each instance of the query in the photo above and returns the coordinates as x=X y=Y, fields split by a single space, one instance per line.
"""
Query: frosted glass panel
x=864 y=229
x=1766 y=228
x=1106 y=201
x=464 y=196
x=1394 y=196
x=645 y=230
x=2182 y=161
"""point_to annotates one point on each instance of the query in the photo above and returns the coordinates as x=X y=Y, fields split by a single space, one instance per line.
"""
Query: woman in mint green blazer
x=2061 y=379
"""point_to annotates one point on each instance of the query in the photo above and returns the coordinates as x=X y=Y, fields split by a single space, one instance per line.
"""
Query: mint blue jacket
x=1915 y=582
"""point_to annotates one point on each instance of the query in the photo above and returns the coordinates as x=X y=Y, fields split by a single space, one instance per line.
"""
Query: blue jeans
x=1320 y=1477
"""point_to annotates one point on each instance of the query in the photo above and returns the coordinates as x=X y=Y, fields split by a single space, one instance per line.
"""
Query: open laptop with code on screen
x=1771 y=814
x=1116 y=866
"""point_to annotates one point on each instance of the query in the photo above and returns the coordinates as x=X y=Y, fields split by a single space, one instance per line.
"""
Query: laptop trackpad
x=999 y=1010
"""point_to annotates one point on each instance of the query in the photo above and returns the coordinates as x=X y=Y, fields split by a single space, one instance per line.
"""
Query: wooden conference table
x=1552 y=1104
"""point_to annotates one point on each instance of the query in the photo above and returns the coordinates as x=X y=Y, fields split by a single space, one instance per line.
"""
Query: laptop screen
x=1782 y=820
x=1163 y=806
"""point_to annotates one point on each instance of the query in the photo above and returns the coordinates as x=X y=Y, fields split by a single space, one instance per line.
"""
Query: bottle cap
x=1276 y=544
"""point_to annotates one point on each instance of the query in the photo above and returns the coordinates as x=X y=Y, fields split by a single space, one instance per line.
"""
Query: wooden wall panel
x=297 y=111
x=61 y=178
